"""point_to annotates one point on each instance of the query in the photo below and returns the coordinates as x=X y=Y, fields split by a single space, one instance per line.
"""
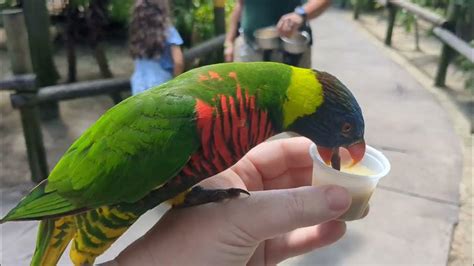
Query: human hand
x=228 y=52
x=289 y=24
x=282 y=218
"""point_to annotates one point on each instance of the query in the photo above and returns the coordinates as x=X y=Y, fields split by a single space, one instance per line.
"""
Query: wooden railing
x=443 y=29
x=26 y=97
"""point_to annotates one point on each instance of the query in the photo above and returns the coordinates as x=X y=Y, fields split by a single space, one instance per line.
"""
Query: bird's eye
x=346 y=128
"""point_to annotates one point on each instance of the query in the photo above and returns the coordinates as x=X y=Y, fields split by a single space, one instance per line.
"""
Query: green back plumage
x=266 y=80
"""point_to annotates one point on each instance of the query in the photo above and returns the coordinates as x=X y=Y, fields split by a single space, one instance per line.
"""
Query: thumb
x=266 y=214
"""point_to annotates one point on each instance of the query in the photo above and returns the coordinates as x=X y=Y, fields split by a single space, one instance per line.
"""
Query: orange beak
x=326 y=153
x=356 y=151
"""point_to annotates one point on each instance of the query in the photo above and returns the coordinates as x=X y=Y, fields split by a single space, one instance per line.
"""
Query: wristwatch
x=300 y=11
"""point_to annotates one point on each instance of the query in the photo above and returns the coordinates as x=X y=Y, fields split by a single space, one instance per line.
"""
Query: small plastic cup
x=361 y=185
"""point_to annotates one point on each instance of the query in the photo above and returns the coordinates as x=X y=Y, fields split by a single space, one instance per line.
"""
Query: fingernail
x=338 y=198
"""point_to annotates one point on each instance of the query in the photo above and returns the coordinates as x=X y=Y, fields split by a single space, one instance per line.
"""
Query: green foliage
x=203 y=20
x=79 y=3
x=120 y=10
x=406 y=20
x=194 y=19
x=440 y=7
x=463 y=27
x=7 y=4
x=367 y=5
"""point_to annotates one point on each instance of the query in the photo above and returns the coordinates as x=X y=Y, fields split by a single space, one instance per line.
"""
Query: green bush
x=194 y=19
x=7 y=4
x=367 y=5
x=463 y=27
x=120 y=11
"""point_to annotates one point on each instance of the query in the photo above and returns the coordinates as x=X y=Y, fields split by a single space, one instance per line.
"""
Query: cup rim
x=293 y=42
x=379 y=156
x=268 y=28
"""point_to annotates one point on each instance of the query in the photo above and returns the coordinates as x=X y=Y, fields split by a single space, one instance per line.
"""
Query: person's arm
x=314 y=8
x=291 y=22
x=178 y=59
x=232 y=31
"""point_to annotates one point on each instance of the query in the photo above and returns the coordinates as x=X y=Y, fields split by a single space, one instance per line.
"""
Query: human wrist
x=228 y=44
x=300 y=11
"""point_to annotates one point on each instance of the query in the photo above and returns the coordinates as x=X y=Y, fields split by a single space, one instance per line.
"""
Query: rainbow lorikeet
x=155 y=146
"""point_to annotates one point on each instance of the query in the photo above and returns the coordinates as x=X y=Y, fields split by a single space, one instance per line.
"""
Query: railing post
x=417 y=34
x=37 y=26
x=392 y=15
x=116 y=97
x=17 y=41
x=34 y=143
x=447 y=53
x=219 y=16
x=18 y=51
x=357 y=8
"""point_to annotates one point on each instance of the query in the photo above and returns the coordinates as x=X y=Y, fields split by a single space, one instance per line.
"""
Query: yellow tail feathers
x=53 y=237
x=96 y=231
x=91 y=232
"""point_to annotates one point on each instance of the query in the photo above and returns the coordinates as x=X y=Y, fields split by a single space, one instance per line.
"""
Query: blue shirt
x=173 y=38
x=152 y=72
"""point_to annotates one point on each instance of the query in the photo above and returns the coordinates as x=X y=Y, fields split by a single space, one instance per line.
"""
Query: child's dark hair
x=147 y=33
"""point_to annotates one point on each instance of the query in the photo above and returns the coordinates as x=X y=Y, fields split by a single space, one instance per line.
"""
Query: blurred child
x=154 y=45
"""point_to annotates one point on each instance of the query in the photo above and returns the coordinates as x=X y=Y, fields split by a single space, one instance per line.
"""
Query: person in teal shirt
x=287 y=15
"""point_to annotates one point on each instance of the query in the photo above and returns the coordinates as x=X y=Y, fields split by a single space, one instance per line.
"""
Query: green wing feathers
x=133 y=148
x=39 y=204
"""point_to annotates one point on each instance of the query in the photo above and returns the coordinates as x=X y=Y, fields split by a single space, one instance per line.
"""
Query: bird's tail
x=91 y=232
x=39 y=205
x=97 y=230
x=54 y=235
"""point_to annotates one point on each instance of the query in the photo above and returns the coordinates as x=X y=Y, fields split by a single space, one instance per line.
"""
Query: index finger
x=282 y=163
x=280 y=24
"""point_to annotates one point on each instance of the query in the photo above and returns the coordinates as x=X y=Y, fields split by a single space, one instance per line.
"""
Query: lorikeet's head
x=336 y=120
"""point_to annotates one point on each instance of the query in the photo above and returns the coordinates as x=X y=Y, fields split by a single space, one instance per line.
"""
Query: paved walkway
x=414 y=209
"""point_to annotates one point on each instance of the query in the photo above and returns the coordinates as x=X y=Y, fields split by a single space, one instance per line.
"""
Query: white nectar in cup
x=360 y=179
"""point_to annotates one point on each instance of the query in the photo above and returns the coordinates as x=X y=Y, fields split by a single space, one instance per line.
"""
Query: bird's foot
x=198 y=195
